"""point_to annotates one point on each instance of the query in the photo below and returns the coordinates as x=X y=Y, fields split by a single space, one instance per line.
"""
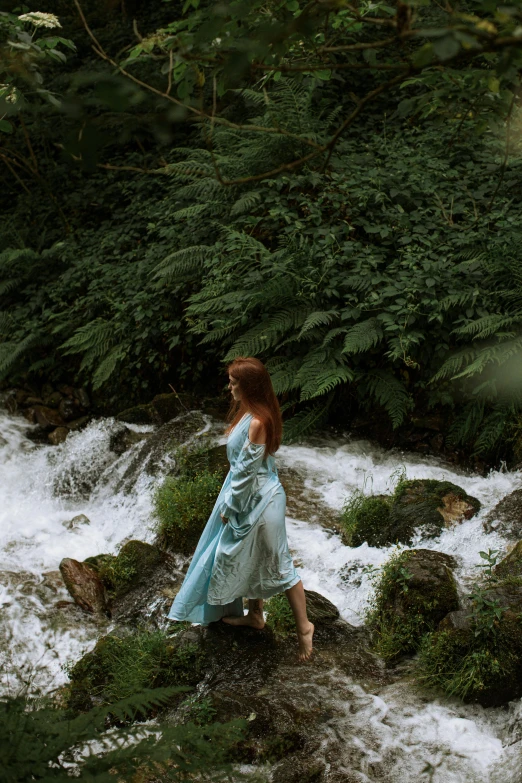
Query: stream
x=398 y=734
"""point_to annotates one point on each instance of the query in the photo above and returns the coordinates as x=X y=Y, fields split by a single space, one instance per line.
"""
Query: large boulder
x=140 y=414
x=85 y=586
x=506 y=517
x=476 y=652
x=416 y=590
x=418 y=506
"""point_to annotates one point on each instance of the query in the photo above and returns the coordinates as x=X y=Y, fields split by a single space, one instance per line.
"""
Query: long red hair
x=257 y=397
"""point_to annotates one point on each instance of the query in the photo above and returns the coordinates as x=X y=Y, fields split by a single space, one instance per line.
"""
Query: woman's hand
x=223 y=519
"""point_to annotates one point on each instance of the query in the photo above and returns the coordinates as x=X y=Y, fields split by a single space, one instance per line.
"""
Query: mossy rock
x=135 y=563
x=423 y=506
x=99 y=561
x=487 y=670
x=415 y=591
x=511 y=565
x=122 y=665
x=428 y=506
x=506 y=517
x=140 y=414
x=212 y=460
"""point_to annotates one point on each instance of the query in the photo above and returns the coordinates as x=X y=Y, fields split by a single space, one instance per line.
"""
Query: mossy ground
x=120 y=666
x=404 y=609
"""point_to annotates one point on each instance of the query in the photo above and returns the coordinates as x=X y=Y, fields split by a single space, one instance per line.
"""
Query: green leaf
x=446 y=47
x=6 y=126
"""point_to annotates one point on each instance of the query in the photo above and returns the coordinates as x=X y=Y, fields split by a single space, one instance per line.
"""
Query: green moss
x=407 y=604
x=511 y=565
x=279 y=616
x=473 y=667
x=133 y=563
x=182 y=507
x=121 y=666
x=365 y=518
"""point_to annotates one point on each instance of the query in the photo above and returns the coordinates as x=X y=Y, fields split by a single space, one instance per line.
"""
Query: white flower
x=9 y=93
x=40 y=19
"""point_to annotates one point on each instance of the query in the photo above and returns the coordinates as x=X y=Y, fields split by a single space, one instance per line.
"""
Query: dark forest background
x=333 y=188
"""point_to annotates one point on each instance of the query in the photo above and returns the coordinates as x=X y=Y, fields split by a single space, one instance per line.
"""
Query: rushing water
x=396 y=733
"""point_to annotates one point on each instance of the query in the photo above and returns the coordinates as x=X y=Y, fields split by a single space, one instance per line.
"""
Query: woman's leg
x=254 y=618
x=305 y=629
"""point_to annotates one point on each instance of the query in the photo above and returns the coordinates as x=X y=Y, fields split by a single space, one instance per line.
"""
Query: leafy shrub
x=121 y=666
x=182 y=507
x=279 y=616
x=365 y=518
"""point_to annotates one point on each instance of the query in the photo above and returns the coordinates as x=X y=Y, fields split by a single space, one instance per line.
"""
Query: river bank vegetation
x=331 y=188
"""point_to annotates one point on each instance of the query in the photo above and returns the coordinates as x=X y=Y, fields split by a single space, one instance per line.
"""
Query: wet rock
x=66 y=389
x=75 y=522
x=48 y=418
x=160 y=447
x=427 y=506
x=415 y=592
x=140 y=414
x=53 y=400
x=78 y=424
x=141 y=582
x=68 y=409
x=124 y=438
x=511 y=565
x=506 y=517
x=84 y=586
x=81 y=396
x=33 y=400
x=47 y=390
x=320 y=609
x=459 y=620
x=59 y=435
x=10 y=402
x=52 y=580
x=30 y=415
x=168 y=406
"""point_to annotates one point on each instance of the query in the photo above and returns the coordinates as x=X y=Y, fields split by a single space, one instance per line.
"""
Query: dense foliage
x=331 y=189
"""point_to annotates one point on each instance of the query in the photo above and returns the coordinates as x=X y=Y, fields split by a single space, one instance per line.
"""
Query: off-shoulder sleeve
x=242 y=478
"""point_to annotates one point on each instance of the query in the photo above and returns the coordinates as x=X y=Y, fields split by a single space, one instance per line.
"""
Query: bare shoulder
x=257 y=432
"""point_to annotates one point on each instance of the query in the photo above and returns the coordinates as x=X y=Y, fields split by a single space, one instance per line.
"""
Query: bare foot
x=251 y=620
x=305 y=643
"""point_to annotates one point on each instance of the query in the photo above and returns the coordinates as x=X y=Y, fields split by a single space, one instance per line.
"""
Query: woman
x=243 y=550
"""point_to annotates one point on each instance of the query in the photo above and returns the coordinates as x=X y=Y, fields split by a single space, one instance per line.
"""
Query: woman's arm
x=245 y=471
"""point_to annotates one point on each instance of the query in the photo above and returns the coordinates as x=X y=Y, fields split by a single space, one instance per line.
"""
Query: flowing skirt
x=246 y=558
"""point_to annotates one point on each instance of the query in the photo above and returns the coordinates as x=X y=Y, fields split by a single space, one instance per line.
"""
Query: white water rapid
x=399 y=735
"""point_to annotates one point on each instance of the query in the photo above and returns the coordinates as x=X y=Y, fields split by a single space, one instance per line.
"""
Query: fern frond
x=389 y=392
x=318 y=318
x=183 y=262
x=306 y=420
x=325 y=382
x=363 y=336
x=108 y=365
x=266 y=334
x=95 y=337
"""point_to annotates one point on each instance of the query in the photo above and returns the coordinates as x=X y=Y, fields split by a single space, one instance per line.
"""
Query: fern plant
x=39 y=741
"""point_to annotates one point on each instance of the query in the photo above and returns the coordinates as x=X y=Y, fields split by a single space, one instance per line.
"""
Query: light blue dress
x=248 y=557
